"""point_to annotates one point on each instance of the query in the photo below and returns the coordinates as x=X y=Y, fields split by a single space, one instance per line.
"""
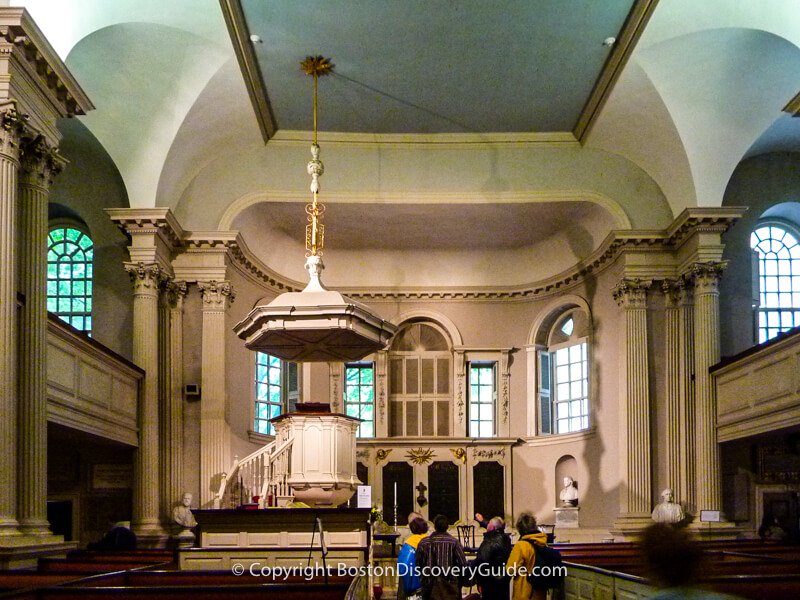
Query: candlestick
x=395 y=507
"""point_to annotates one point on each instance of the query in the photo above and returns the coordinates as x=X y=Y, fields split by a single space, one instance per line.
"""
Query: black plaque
x=443 y=489
x=403 y=474
x=488 y=489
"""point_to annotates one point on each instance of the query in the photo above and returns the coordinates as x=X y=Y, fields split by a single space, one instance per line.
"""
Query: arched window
x=70 y=252
x=420 y=372
x=564 y=375
x=778 y=279
x=359 y=395
x=277 y=390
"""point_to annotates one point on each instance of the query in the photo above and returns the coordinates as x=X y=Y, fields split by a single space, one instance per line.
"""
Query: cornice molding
x=18 y=29
x=793 y=106
x=293 y=137
x=160 y=221
x=248 y=64
x=617 y=242
x=631 y=31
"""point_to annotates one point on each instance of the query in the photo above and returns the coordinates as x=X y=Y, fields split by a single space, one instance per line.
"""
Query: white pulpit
x=322 y=463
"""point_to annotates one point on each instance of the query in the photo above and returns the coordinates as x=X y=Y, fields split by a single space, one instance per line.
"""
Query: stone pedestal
x=322 y=466
x=567 y=517
x=183 y=539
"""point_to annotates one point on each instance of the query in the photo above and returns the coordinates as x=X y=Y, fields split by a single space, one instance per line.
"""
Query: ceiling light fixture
x=317 y=324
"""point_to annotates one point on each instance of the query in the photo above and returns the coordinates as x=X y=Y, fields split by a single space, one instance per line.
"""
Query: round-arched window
x=70 y=253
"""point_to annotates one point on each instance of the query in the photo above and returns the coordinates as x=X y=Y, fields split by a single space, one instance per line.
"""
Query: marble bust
x=569 y=494
x=667 y=511
x=182 y=514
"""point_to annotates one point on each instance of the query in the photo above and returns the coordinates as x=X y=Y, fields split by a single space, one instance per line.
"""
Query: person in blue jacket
x=410 y=582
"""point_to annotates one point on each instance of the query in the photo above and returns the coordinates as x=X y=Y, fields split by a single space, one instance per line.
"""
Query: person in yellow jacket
x=522 y=555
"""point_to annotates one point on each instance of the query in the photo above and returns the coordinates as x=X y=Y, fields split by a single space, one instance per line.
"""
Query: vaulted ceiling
x=509 y=117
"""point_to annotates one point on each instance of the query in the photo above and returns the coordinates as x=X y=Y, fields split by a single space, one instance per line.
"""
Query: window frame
x=88 y=279
x=550 y=394
x=360 y=365
x=289 y=394
x=482 y=364
x=758 y=308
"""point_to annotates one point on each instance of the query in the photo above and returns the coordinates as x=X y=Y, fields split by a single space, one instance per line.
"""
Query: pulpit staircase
x=263 y=474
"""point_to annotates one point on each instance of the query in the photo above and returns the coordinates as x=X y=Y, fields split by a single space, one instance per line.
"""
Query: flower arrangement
x=375 y=514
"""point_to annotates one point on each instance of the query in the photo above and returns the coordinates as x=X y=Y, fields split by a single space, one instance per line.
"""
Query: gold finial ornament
x=315 y=66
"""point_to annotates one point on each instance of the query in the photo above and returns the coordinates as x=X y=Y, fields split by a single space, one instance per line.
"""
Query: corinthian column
x=172 y=397
x=10 y=128
x=706 y=354
x=213 y=439
x=631 y=296
x=146 y=280
x=39 y=164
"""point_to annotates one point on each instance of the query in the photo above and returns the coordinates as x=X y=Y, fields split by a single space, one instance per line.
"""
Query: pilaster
x=147 y=280
x=636 y=492
x=10 y=130
x=39 y=163
x=217 y=296
x=706 y=276
x=171 y=392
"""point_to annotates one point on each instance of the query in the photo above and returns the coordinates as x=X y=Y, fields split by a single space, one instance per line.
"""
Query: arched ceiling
x=704 y=87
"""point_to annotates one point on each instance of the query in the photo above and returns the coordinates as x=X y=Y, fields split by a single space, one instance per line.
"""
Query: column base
x=629 y=527
x=24 y=551
x=35 y=528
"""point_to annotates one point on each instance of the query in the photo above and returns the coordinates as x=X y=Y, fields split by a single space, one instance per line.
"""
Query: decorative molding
x=18 y=31
x=39 y=160
x=248 y=64
x=336 y=371
x=363 y=454
x=488 y=452
x=635 y=23
x=793 y=106
x=149 y=221
x=12 y=125
x=459 y=454
x=381 y=454
x=419 y=456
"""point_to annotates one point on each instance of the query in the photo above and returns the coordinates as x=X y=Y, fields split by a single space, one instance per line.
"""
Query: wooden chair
x=466 y=535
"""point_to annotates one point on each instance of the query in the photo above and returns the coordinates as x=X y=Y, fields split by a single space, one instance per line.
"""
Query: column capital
x=631 y=293
x=145 y=277
x=216 y=294
x=676 y=291
x=175 y=292
x=706 y=275
x=39 y=161
x=12 y=124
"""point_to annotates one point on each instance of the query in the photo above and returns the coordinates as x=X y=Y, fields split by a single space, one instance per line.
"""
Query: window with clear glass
x=564 y=376
x=571 y=389
x=359 y=396
x=69 y=276
x=482 y=399
x=269 y=391
x=778 y=280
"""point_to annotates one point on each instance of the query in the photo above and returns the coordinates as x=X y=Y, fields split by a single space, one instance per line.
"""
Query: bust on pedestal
x=183 y=519
x=667 y=511
x=567 y=513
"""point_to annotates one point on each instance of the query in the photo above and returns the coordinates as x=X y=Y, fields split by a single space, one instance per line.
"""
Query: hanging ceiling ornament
x=317 y=324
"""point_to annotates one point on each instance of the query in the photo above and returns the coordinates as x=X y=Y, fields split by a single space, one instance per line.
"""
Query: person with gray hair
x=490 y=561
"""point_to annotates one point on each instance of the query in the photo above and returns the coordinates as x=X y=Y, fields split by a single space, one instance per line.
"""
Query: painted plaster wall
x=89 y=183
x=759 y=183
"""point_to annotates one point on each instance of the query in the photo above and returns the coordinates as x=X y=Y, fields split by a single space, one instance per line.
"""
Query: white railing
x=264 y=473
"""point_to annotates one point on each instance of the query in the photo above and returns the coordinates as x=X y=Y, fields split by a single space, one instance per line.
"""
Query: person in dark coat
x=490 y=562
x=119 y=537
x=441 y=550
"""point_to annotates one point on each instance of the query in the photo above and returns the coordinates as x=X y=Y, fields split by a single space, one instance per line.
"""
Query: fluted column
x=631 y=296
x=174 y=414
x=686 y=407
x=10 y=128
x=216 y=296
x=39 y=164
x=706 y=354
x=146 y=280
x=672 y=383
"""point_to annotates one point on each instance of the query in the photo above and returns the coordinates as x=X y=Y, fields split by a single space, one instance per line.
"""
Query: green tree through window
x=69 y=276
x=359 y=396
x=269 y=391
